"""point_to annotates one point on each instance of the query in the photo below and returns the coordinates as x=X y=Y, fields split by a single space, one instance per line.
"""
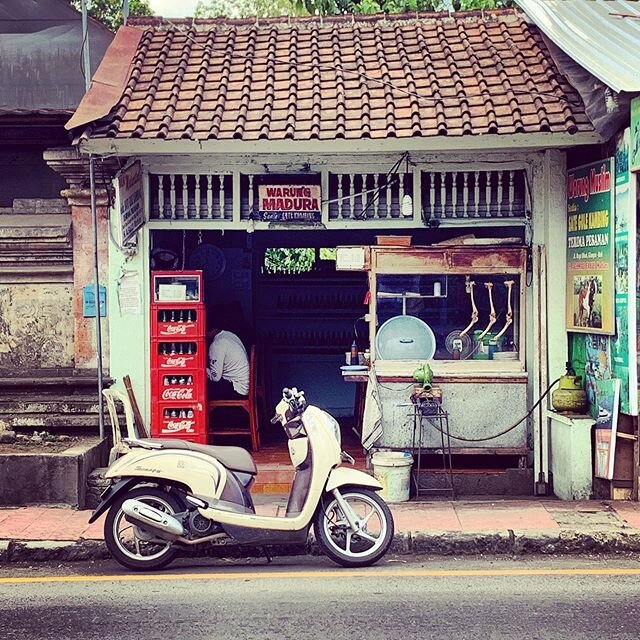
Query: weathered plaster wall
x=36 y=328
x=36 y=313
x=476 y=410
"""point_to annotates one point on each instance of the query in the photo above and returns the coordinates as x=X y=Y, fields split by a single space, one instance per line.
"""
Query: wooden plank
x=143 y=432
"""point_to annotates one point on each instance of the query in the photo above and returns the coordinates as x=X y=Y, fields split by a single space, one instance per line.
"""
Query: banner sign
x=634 y=157
x=590 y=248
x=623 y=344
x=131 y=202
x=289 y=203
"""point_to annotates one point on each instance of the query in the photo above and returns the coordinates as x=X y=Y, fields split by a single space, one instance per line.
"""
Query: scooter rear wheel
x=130 y=545
x=340 y=543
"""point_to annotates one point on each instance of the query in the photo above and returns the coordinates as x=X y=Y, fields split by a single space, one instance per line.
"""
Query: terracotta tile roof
x=345 y=77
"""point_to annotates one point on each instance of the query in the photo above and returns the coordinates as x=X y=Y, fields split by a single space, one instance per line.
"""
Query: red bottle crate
x=167 y=324
x=178 y=358
x=174 y=386
x=184 y=420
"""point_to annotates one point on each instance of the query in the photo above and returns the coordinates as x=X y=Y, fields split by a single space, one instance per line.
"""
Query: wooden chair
x=249 y=405
x=119 y=448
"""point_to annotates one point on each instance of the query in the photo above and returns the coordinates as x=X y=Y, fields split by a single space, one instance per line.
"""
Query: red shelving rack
x=178 y=356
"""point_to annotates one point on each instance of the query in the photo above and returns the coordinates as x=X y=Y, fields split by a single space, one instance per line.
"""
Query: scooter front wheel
x=134 y=547
x=340 y=542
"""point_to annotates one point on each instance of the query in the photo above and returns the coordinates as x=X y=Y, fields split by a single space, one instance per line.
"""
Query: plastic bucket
x=393 y=470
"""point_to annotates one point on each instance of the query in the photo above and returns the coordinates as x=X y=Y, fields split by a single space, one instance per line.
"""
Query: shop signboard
x=131 y=202
x=623 y=343
x=634 y=158
x=590 y=248
x=289 y=203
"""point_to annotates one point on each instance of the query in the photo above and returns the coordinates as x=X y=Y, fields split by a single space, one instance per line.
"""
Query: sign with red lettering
x=590 y=248
x=290 y=202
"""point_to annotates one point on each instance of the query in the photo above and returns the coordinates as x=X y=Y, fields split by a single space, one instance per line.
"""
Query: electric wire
x=501 y=433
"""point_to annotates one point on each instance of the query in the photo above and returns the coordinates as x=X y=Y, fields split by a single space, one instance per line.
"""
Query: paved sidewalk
x=439 y=527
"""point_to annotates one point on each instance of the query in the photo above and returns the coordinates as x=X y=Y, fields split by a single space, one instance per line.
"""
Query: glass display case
x=471 y=316
x=177 y=286
x=469 y=302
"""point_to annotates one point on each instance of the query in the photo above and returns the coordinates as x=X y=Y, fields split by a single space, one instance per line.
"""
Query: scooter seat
x=234 y=458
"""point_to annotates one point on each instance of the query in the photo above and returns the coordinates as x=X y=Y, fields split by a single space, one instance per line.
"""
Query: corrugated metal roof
x=602 y=35
x=41 y=55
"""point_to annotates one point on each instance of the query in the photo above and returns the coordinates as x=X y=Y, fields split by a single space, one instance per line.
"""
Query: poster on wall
x=590 y=249
x=607 y=399
x=634 y=155
x=597 y=365
x=289 y=203
x=623 y=343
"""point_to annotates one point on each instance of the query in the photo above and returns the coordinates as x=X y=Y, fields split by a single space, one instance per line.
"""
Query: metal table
x=431 y=411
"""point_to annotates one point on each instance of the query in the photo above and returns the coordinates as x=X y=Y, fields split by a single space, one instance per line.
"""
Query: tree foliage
x=261 y=8
x=248 y=8
x=109 y=12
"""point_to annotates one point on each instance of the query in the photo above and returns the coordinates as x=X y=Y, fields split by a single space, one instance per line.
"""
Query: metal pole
x=125 y=11
x=94 y=217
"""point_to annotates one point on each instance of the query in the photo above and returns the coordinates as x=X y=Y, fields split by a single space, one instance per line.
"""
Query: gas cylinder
x=570 y=397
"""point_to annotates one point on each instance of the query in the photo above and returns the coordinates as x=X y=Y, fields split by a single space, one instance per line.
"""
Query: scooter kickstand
x=266 y=555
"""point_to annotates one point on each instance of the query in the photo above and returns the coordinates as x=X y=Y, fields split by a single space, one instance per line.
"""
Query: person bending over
x=228 y=370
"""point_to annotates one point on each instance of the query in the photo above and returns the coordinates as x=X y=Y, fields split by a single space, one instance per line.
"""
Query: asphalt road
x=564 y=599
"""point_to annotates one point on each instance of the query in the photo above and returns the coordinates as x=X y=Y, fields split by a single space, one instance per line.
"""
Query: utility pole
x=86 y=64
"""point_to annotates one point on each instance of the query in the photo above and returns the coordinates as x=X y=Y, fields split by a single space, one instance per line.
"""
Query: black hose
x=497 y=435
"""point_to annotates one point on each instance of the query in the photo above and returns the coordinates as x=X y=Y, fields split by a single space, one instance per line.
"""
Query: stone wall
x=36 y=286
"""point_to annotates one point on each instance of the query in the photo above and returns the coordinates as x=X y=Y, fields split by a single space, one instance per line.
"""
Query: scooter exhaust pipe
x=144 y=515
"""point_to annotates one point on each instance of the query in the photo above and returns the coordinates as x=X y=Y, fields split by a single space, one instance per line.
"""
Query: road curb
x=499 y=542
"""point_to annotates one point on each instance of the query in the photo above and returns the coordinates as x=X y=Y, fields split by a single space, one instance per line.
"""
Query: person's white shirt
x=228 y=360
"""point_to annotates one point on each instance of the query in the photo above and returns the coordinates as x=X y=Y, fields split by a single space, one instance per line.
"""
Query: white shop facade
x=490 y=215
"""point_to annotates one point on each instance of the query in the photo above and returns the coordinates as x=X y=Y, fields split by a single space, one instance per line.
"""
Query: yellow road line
x=343 y=573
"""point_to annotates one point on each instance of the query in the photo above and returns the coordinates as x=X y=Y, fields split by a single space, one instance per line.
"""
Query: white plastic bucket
x=393 y=470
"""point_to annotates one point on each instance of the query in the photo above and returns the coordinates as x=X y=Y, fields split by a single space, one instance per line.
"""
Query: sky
x=173 y=8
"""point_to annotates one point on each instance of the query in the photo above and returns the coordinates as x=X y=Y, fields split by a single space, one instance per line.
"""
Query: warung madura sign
x=289 y=203
x=590 y=248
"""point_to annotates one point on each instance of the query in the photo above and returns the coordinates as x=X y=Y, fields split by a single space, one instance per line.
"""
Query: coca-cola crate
x=177 y=323
x=178 y=354
x=180 y=386
x=178 y=419
x=198 y=438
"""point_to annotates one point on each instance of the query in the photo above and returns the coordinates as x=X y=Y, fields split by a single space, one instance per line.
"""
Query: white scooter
x=171 y=493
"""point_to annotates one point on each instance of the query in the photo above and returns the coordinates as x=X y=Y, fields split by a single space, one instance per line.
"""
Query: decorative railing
x=446 y=196
x=451 y=195
x=191 y=196
x=370 y=196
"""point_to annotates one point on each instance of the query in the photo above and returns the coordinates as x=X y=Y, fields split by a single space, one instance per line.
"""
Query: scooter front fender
x=342 y=476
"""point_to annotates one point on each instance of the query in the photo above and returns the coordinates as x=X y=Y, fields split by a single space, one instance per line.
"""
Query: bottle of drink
x=173 y=315
x=183 y=413
x=174 y=380
x=174 y=413
x=181 y=316
x=190 y=413
x=189 y=379
x=172 y=349
x=181 y=380
x=354 y=353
